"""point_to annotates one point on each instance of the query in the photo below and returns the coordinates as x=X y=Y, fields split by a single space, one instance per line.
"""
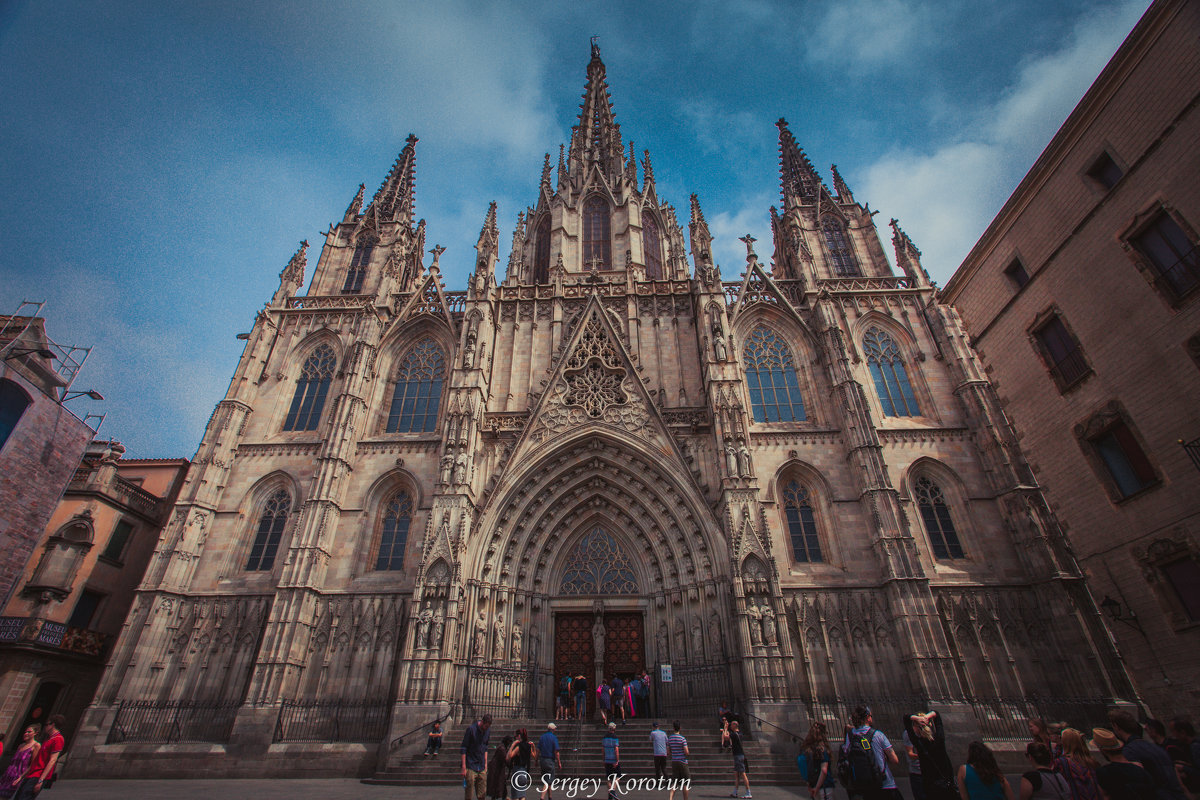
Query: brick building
x=71 y=601
x=1083 y=299
x=795 y=488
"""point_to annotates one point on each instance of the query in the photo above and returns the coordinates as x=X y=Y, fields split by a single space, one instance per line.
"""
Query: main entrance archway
x=575 y=640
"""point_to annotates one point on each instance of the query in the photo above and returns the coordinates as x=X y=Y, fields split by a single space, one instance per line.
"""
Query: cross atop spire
x=396 y=198
x=799 y=180
x=596 y=139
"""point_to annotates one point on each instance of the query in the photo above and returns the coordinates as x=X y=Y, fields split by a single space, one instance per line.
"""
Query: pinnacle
x=797 y=176
x=397 y=195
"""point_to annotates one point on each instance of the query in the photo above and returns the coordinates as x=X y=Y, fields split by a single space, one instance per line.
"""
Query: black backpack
x=862 y=773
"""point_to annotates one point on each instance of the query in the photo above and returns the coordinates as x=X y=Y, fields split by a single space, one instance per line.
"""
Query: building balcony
x=44 y=634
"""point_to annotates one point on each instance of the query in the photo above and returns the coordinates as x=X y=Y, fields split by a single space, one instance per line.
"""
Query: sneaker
x=747 y=795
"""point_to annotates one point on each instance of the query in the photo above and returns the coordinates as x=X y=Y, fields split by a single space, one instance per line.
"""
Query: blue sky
x=163 y=160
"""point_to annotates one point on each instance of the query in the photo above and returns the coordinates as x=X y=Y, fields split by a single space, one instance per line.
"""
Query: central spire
x=596 y=139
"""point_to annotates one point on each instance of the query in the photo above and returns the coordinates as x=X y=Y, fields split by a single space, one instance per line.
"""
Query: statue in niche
x=469 y=351
x=731 y=458
x=439 y=625
x=714 y=633
x=535 y=644
x=424 y=621
x=680 y=639
x=743 y=459
x=660 y=642
x=719 y=349
x=498 y=643
x=697 y=639
x=480 y=634
x=598 y=634
x=516 y=642
x=768 y=624
x=755 y=624
x=447 y=467
x=460 y=467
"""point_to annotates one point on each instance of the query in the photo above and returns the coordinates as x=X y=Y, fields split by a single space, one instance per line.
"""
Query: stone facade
x=1074 y=254
x=795 y=488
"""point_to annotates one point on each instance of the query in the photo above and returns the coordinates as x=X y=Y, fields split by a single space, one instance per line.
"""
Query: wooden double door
x=575 y=648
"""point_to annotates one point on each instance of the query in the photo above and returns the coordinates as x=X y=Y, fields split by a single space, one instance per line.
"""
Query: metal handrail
x=399 y=740
x=795 y=736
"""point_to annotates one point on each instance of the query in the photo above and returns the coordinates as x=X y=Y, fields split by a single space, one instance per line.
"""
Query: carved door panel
x=624 y=645
x=574 y=652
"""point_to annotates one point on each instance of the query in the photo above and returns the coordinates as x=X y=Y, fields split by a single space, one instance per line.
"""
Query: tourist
x=1042 y=781
x=1039 y=731
x=870 y=757
x=26 y=751
x=914 y=758
x=1155 y=732
x=612 y=758
x=677 y=748
x=658 y=746
x=474 y=757
x=549 y=759
x=433 y=742
x=1153 y=758
x=618 y=697
x=980 y=777
x=520 y=760
x=644 y=697
x=740 y=773
x=580 y=687
x=1120 y=778
x=818 y=763
x=1184 y=750
x=604 y=702
x=1077 y=765
x=1056 y=729
x=937 y=770
x=41 y=768
x=497 y=769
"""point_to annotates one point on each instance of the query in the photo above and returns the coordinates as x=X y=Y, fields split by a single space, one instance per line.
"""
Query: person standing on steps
x=612 y=759
x=474 y=757
x=549 y=758
x=677 y=747
x=580 y=687
x=658 y=745
x=520 y=759
x=739 y=760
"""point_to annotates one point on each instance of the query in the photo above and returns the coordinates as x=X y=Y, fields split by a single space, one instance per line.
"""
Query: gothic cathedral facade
x=795 y=487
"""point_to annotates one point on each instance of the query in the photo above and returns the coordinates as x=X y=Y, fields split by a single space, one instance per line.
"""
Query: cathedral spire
x=562 y=166
x=518 y=241
x=489 y=235
x=355 y=205
x=631 y=167
x=546 y=173
x=291 y=279
x=908 y=257
x=799 y=180
x=396 y=198
x=596 y=139
x=839 y=185
x=700 y=237
x=647 y=170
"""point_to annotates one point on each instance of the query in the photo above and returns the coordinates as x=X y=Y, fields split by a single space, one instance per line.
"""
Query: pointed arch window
x=541 y=251
x=652 y=244
x=358 y=266
x=802 y=524
x=771 y=377
x=597 y=247
x=393 y=538
x=935 y=514
x=270 y=532
x=418 y=391
x=311 y=389
x=841 y=256
x=598 y=565
x=891 y=378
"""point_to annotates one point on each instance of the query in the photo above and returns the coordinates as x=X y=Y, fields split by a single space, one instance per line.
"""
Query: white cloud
x=727 y=228
x=945 y=197
x=867 y=32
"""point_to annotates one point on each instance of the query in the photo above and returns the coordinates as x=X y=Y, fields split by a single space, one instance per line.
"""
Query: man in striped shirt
x=678 y=750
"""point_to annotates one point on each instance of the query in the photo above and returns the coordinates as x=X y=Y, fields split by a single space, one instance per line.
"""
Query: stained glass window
x=358 y=266
x=311 y=388
x=597 y=248
x=802 y=525
x=653 y=247
x=840 y=254
x=936 y=516
x=394 y=538
x=541 y=251
x=418 y=391
x=270 y=531
x=771 y=377
x=891 y=378
x=598 y=566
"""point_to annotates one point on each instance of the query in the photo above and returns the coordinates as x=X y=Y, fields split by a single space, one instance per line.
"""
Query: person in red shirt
x=44 y=763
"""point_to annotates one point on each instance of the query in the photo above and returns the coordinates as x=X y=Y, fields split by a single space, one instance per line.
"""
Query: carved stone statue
x=697 y=639
x=469 y=351
x=460 y=467
x=719 y=345
x=498 y=643
x=731 y=459
x=424 y=620
x=447 y=467
x=714 y=634
x=439 y=626
x=743 y=460
x=768 y=625
x=755 y=624
x=516 y=642
x=660 y=642
x=680 y=640
x=535 y=644
x=480 y=634
x=598 y=634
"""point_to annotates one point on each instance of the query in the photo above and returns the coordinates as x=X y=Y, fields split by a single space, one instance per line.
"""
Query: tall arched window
x=393 y=538
x=541 y=251
x=597 y=249
x=936 y=516
x=358 y=266
x=802 y=525
x=891 y=378
x=270 y=532
x=311 y=388
x=771 y=376
x=13 y=402
x=653 y=247
x=840 y=254
x=418 y=391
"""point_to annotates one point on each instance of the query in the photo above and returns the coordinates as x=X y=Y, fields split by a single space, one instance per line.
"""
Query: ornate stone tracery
x=598 y=565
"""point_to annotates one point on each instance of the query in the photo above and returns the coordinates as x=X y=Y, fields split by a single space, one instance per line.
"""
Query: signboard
x=10 y=628
x=664 y=673
x=52 y=633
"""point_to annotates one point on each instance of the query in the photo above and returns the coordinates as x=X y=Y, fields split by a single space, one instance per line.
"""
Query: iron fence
x=503 y=692
x=172 y=721
x=363 y=721
x=693 y=691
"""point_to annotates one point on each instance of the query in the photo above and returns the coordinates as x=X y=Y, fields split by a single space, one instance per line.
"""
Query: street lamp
x=92 y=393
x=1117 y=612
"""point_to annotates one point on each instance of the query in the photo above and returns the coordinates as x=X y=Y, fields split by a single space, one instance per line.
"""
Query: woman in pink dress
x=21 y=760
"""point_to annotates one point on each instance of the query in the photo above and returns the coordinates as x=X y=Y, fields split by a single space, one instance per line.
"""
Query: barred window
x=1061 y=352
x=891 y=378
x=841 y=256
x=653 y=247
x=802 y=525
x=418 y=391
x=393 y=539
x=597 y=247
x=1174 y=259
x=938 y=523
x=270 y=532
x=541 y=251
x=358 y=266
x=311 y=388
x=771 y=377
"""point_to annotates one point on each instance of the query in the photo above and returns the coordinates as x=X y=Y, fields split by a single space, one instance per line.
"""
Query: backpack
x=809 y=766
x=566 y=684
x=862 y=773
